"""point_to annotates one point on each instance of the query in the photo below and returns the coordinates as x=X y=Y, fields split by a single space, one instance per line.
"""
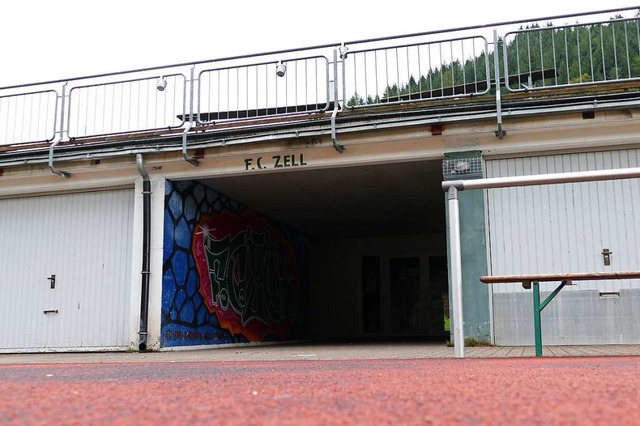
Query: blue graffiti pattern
x=185 y=318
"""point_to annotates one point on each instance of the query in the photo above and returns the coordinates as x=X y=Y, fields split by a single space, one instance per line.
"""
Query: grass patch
x=470 y=342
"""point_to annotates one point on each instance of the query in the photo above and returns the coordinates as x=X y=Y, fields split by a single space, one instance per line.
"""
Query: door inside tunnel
x=417 y=302
x=376 y=244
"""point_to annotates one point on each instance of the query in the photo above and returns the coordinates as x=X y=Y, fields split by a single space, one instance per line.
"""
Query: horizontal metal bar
x=545 y=179
x=561 y=277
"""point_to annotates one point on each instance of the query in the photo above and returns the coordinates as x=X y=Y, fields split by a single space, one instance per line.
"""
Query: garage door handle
x=50 y=311
x=52 y=281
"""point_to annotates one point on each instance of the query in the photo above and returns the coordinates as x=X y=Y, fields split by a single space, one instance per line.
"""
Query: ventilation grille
x=462 y=168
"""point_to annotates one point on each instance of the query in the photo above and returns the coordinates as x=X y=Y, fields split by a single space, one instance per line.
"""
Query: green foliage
x=356 y=99
x=470 y=342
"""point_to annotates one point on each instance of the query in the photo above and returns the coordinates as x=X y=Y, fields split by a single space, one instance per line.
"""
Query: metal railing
x=127 y=106
x=28 y=117
x=416 y=72
x=297 y=85
x=594 y=53
x=458 y=63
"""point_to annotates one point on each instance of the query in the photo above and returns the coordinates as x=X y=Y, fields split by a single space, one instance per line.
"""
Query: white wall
x=564 y=229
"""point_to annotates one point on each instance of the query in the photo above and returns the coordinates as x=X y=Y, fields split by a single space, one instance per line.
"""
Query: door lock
x=606 y=256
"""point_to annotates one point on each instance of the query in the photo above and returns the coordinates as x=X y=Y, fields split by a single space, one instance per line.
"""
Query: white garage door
x=562 y=229
x=65 y=271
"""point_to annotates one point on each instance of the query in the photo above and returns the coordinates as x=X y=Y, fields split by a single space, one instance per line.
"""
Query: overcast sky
x=53 y=39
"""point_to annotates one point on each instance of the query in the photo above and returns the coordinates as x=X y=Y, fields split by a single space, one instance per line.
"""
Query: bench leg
x=539 y=306
x=537 y=324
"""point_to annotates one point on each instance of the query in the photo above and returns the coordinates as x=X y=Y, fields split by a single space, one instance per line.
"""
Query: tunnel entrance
x=376 y=245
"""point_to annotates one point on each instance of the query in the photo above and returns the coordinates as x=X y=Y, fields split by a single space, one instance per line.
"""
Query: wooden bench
x=533 y=281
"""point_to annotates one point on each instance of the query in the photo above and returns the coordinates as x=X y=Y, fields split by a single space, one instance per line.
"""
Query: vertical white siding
x=563 y=228
x=85 y=240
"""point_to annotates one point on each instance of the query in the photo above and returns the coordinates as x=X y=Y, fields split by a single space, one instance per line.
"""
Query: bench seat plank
x=560 y=277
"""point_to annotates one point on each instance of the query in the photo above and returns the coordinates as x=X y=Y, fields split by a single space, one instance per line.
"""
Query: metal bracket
x=55 y=171
x=191 y=160
x=58 y=136
x=334 y=140
x=452 y=193
x=334 y=113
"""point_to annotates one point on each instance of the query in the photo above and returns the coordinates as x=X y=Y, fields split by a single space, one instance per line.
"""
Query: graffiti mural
x=248 y=276
x=231 y=275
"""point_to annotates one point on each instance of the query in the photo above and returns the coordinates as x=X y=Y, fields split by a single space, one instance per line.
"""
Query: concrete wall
x=612 y=319
x=475 y=295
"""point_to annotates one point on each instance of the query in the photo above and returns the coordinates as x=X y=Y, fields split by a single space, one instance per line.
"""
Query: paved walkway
x=292 y=352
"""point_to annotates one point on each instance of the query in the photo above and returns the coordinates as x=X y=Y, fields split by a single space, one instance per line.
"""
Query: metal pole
x=496 y=66
x=537 y=323
x=456 y=272
x=146 y=247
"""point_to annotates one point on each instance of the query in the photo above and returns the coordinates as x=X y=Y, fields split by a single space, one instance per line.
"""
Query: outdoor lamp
x=161 y=84
x=343 y=51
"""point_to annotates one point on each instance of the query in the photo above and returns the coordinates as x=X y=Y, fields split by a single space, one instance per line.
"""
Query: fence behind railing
x=458 y=63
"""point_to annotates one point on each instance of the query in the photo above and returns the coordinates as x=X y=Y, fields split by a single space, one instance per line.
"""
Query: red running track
x=512 y=391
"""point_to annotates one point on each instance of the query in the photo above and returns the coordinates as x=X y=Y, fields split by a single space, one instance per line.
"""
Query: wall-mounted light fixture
x=281 y=69
x=343 y=51
x=161 y=84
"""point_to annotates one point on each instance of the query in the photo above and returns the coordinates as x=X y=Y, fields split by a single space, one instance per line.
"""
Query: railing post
x=496 y=65
x=344 y=50
x=456 y=271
